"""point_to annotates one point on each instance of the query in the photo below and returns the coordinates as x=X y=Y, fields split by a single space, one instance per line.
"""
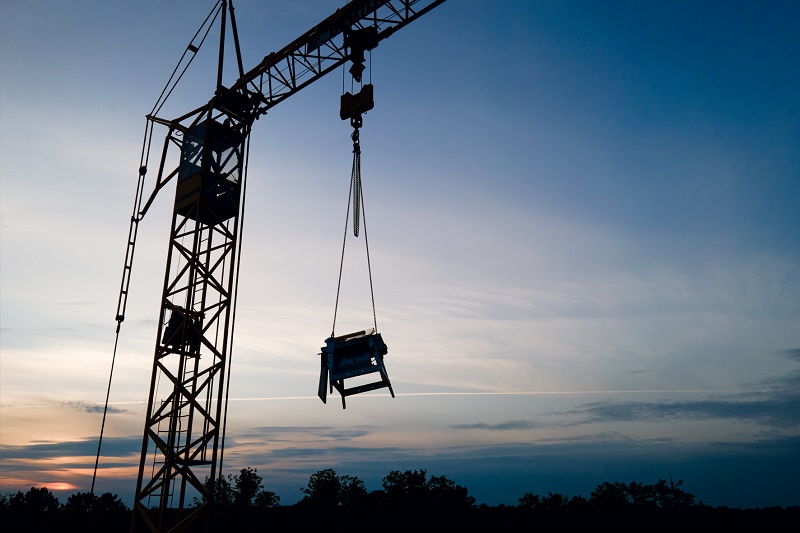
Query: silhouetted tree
x=577 y=504
x=112 y=502
x=323 y=489
x=266 y=499
x=406 y=489
x=640 y=496
x=36 y=510
x=81 y=502
x=16 y=502
x=671 y=496
x=611 y=496
x=554 y=501
x=352 y=492
x=445 y=494
x=530 y=501
x=243 y=491
x=412 y=489
x=328 y=490
x=35 y=501
x=218 y=492
x=89 y=503
x=246 y=486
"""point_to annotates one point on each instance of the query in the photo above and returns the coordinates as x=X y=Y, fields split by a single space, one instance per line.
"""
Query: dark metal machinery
x=352 y=356
x=184 y=428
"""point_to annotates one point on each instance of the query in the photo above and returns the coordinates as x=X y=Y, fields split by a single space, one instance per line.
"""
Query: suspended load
x=350 y=356
x=358 y=354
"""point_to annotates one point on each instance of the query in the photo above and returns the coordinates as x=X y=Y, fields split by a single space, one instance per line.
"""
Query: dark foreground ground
x=490 y=519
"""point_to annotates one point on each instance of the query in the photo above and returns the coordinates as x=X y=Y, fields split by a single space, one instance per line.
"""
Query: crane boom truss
x=323 y=49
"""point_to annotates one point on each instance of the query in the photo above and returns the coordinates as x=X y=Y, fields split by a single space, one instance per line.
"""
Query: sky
x=584 y=224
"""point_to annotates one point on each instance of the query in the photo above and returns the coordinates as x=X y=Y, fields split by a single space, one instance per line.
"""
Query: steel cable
x=162 y=99
x=344 y=242
x=356 y=195
x=235 y=301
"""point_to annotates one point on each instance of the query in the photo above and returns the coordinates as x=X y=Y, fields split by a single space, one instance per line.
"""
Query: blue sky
x=583 y=226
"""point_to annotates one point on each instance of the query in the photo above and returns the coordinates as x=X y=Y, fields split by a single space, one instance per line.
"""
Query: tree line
x=410 y=498
x=328 y=490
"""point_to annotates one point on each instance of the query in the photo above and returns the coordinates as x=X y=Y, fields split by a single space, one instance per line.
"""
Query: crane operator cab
x=351 y=356
x=210 y=172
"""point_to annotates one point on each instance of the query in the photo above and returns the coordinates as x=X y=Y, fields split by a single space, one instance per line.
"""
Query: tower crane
x=183 y=436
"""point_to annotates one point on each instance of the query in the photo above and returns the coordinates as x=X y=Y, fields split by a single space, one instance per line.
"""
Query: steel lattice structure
x=182 y=439
x=182 y=430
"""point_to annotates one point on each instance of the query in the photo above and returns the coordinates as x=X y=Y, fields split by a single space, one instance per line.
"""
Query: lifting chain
x=356 y=198
x=355 y=176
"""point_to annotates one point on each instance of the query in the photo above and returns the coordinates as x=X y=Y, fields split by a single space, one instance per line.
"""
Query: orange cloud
x=59 y=485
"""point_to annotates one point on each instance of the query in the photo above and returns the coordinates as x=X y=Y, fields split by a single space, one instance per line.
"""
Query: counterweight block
x=350 y=356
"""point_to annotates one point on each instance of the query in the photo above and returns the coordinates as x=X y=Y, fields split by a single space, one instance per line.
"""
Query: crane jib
x=323 y=48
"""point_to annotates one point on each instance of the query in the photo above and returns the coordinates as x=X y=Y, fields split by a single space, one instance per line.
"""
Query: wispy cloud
x=771 y=402
x=88 y=407
x=502 y=426
x=278 y=434
x=771 y=412
x=112 y=447
x=791 y=353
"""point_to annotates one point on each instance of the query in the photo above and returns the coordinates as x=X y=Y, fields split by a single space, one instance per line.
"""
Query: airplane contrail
x=499 y=393
x=486 y=393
